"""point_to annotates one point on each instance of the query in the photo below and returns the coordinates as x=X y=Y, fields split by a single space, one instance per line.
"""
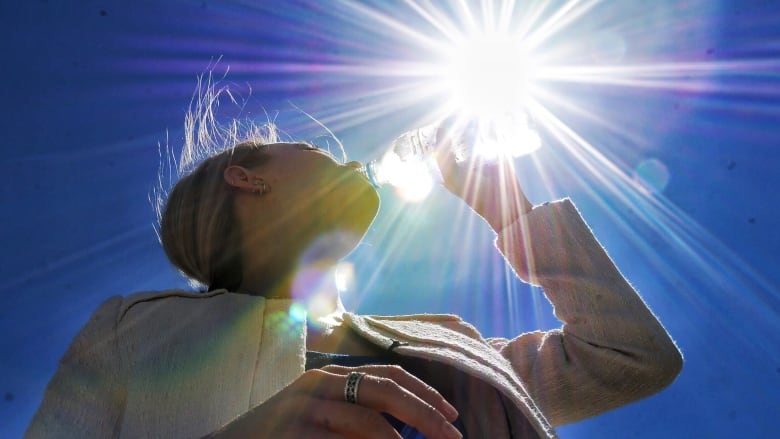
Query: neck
x=312 y=286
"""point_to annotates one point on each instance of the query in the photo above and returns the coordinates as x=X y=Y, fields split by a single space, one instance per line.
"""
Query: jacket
x=181 y=364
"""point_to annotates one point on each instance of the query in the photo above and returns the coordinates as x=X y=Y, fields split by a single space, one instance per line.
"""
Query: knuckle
x=386 y=384
x=287 y=409
x=333 y=368
x=443 y=428
x=430 y=411
x=388 y=371
x=431 y=391
x=396 y=372
x=305 y=379
x=311 y=377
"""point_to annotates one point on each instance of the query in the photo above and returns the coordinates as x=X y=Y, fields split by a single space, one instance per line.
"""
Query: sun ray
x=387 y=23
x=683 y=76
x=505 y=15
x=440 y=21
x=579 y=110
x=398 y=82
x=717 y=266
x=562 y=17
x=467 y=16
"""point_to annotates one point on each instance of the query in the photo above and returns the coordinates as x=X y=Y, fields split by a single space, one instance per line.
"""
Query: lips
x=357 y=166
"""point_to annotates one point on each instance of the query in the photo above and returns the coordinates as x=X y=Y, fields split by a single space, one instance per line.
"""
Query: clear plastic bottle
x=410 y=157
x=409 y=153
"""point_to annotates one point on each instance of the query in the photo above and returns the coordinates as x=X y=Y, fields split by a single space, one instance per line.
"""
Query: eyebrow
x=307 y=145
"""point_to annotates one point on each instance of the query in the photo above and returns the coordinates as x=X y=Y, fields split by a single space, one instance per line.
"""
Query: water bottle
x=410 y=162
x=409 y=154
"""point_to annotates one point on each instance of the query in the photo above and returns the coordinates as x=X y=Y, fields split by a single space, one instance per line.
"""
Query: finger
x=316 y=432
x=408 y=381
x=307 y=416
x=307 y=431
x=350 y=421
x=385 y=395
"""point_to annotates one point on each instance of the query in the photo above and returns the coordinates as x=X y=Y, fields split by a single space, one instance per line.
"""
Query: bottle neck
x=374 y=175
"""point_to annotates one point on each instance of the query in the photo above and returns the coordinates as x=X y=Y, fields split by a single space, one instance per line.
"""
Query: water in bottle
x=409 y=155
x=409 y=163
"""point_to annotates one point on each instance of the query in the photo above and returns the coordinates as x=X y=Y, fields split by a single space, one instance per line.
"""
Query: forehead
x=295 y=147
x=263 y=152
x=291 y=146
x=285 y=154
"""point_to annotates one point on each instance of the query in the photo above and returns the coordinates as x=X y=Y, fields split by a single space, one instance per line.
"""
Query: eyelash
x=314 y=148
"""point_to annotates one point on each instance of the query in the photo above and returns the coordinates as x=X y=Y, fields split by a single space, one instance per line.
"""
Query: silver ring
x=351 y=388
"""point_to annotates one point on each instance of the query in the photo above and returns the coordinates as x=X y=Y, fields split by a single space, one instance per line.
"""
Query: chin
x=355 y=213
x=364 y=209
x=343 y=218
x=330 y=247
x=353 y=204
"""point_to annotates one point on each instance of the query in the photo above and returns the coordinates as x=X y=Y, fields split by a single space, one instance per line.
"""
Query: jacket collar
x=449 y=340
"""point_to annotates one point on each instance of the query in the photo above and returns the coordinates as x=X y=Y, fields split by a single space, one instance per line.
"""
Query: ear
x=238 y=177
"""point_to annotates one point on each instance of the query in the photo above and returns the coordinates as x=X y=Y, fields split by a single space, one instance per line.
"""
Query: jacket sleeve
x=85 y=398
x=611 y=349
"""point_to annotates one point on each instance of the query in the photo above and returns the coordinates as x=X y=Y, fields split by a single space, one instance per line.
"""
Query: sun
x=485 y=79
x=487 y=73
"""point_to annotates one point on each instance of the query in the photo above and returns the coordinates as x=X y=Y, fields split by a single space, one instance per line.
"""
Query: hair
x=196 y=219
x=196 y=223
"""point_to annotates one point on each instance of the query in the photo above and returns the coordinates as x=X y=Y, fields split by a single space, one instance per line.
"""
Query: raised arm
x=611 y=349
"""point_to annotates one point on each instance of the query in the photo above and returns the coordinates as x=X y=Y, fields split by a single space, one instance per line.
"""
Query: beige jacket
x=178 y=365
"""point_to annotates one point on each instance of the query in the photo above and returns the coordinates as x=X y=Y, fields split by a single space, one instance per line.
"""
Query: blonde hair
x=196 y=222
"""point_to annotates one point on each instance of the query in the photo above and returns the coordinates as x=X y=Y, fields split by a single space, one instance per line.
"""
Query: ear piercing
x=261 y=186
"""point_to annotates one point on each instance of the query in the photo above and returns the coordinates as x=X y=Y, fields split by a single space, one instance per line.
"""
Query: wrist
x=502 y=214
x=501 y=206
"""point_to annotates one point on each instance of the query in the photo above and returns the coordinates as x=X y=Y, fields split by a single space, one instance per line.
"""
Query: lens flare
x=314 y=291
x=652 y=175
x=417 y=184
x=412 y=179
x=297 y=313
x=344 y=276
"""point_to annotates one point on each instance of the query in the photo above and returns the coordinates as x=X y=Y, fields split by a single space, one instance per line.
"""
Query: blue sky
x=664 y=131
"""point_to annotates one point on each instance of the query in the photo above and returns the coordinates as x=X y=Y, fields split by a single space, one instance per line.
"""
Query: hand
x=313 y=406
x=490 y=188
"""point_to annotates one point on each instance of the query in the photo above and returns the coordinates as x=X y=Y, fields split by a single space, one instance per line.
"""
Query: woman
x=254 y=223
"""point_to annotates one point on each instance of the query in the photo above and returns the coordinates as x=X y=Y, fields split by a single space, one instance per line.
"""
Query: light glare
x=488 y=73
x=411 y=179
x=414 y=182
x=508 y=135
x=344 y=275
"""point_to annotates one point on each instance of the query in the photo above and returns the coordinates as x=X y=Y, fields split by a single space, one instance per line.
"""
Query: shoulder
x=212 y=305
x=449 y=322
x=441 y=318
x=157 y=296
x=160 y=298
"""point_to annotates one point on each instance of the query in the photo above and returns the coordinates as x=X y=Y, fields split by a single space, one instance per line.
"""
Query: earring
x=260 y=187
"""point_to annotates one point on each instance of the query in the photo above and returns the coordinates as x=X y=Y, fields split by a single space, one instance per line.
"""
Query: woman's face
x=316 y=206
